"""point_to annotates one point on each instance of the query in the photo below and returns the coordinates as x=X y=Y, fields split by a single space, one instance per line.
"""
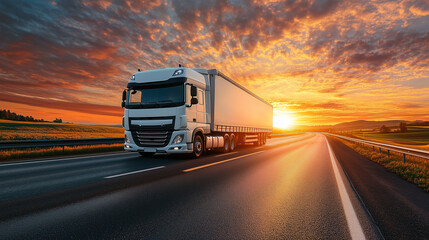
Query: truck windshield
x=168 y=96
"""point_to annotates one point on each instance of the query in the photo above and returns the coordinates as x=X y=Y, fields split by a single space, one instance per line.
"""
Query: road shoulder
x=399 y=208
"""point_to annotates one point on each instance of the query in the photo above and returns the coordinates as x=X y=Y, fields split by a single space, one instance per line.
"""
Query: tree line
x=8 y=115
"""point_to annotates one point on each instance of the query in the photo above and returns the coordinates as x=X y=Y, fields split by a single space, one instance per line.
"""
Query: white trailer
x=183 y=110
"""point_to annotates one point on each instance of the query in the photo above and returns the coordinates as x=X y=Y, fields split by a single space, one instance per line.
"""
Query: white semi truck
x=184 y=110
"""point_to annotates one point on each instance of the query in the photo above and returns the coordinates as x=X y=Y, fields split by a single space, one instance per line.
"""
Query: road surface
x=293 y=188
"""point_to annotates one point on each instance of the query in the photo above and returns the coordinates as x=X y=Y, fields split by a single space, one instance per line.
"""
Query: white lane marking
x=216 y=163
x=62 y=159
x=355 y=228
x=139 y=171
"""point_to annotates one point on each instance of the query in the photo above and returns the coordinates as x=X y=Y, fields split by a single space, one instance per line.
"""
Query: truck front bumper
x=182 y=147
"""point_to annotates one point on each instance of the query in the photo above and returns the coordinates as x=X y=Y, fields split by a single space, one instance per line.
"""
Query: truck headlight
x=178 y=139
x=127 y=139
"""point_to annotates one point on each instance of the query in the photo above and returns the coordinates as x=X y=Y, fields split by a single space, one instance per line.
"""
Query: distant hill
x=363 y=124
x=418 y=123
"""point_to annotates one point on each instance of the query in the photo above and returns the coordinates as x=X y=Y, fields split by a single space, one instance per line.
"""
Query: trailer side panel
x=236 y=109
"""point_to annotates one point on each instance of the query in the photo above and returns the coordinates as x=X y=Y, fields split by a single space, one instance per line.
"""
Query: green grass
x=416 y=137
x=414 y=170
x=14 y=130
x=15 y=154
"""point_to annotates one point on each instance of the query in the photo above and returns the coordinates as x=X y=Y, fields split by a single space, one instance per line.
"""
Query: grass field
x=414 y=170
x=14 y=130
x=416 y=137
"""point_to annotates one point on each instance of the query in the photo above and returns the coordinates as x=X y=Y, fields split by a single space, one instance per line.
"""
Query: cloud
x=69 y=106
x=409 y=105
x=318 y=55
x=304 y=106
x=335 y=88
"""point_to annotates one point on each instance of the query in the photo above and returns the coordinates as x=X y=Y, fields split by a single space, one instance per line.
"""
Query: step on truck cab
x=184 y=110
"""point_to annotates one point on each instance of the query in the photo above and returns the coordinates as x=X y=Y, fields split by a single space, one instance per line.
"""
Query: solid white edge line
x=355 y=228
x=138 y=171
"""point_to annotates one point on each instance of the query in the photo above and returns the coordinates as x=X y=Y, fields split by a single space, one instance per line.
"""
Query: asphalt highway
x=29 y=178
x=293 y=188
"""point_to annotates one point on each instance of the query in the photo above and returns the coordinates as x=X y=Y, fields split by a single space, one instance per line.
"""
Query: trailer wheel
x=233 y=142
x=146 y=154
x=226 y=143
x=198 y=147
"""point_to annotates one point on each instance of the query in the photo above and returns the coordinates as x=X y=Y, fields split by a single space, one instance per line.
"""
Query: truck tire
x=226 y=143
x=198 y=146
x=146 y=154
x=233 y=142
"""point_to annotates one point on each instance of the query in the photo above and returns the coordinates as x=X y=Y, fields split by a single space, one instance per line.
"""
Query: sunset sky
x=317 y=62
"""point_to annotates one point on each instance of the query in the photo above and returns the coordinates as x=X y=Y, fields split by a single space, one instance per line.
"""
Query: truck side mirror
x=193 y=91
x=194 y=101
x=124 y=98
x=124 y=95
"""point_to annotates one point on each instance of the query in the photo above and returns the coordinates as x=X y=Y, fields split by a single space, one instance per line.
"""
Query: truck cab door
x=201 y=107
x=191 y=110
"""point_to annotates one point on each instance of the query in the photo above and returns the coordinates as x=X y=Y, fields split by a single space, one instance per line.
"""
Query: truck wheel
x=233 y=142
x=146 y=154
x=198 y=146
x=226 y=143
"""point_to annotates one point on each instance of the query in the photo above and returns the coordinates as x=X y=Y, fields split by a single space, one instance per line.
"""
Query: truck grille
x=151 y=138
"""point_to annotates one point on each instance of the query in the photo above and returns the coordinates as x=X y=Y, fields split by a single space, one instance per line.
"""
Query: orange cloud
x=323 y=61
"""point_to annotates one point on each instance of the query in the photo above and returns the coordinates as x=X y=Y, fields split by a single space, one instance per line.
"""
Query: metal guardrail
x=58 y=142
x=399 y=149
x=68 y=142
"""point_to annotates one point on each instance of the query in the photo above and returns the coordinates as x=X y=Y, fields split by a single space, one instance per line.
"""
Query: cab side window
x=188 y=94
x=200 y=97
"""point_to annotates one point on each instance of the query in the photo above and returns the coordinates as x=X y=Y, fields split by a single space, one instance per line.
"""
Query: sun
x=283 y=121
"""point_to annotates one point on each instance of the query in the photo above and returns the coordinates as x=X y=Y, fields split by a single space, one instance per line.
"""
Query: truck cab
x=163 y=110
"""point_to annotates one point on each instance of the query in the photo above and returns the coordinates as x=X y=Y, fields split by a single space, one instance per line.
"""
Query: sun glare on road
x=283 y=121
